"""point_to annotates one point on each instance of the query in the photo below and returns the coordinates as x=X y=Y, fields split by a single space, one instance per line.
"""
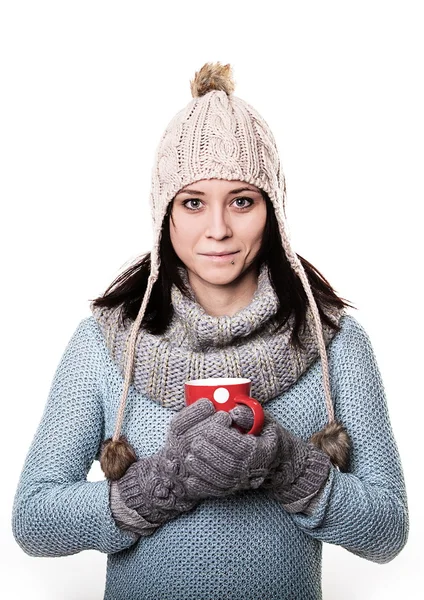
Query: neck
x=228 y=299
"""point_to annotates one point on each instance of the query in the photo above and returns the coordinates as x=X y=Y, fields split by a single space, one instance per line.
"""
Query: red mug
x=226 y=393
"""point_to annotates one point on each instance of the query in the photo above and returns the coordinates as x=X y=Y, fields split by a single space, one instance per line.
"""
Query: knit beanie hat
x=218 y=135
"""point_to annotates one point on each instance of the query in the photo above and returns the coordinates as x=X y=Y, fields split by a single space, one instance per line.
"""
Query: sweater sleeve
x=56 y=511
x=364 y=510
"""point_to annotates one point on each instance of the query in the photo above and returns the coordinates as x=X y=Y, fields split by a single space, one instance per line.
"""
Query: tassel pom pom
x=212 y=76
x=334 y=440
x=116 y=457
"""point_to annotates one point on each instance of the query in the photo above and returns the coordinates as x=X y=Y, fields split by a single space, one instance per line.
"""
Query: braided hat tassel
x=333 y=439
x=116 y=453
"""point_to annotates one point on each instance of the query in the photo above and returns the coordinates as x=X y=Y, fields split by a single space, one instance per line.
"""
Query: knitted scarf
x=197 y=345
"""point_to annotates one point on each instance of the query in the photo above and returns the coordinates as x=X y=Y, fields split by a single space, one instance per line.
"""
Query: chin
x=219 y=276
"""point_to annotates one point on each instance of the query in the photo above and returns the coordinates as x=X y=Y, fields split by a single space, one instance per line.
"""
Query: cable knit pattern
x=153 y=489
x=208 y=459
x=197 y=345
x=247 y=546
x=217 y=136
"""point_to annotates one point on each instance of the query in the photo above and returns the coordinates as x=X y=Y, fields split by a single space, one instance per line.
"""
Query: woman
x=192 y=507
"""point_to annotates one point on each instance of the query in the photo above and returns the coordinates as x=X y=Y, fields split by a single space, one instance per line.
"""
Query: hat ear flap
x=334 y=440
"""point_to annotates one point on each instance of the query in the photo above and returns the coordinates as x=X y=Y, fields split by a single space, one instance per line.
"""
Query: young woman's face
x=217 y=216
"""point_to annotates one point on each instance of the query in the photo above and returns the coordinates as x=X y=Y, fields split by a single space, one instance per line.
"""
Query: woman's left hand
x=300 y=469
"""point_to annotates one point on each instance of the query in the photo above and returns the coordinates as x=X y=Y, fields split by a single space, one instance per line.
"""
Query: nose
x=218 y=226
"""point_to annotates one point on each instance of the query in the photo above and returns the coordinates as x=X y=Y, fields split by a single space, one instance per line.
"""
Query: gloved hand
x=203 y=457
x=299 y=471
x=224 y=461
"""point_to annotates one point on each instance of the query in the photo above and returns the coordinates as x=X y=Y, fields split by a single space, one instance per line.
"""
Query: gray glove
x=203 y=457
x=299 y=471
x=224 y=461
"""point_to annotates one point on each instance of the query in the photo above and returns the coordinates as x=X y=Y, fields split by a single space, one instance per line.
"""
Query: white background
x=87 y=89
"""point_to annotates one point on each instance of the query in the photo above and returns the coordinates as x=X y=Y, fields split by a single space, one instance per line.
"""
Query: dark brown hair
x=127 y=290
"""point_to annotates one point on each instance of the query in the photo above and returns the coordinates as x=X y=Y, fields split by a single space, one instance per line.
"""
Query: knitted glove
x=152 y=490
x=300 y=470
x=224 y=461
x=203 y=457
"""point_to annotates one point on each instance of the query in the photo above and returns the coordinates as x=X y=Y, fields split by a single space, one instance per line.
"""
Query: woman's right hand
x=154 y=489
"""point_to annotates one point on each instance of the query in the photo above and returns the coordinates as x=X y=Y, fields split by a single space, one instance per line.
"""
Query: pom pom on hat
x=116 y=457
x=334 y=440
x=212 y=76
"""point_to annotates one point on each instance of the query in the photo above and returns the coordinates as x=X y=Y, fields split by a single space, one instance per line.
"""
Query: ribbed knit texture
x=247 y=546
x=197 y=345
x=153 y=492
x=158 y=490
x=301 y=476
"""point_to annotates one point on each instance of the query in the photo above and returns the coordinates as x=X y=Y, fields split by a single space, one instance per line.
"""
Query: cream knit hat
x=217 y=135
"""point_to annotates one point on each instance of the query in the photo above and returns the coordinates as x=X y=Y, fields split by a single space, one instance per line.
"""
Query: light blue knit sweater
x=245 y=546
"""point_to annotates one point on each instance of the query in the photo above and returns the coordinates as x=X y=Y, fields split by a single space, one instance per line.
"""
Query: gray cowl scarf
x=197 y=345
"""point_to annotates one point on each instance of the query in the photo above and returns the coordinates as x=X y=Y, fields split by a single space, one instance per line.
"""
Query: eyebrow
x=237 y=191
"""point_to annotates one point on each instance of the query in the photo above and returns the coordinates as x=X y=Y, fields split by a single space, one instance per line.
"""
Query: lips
x=220 y=257
x=219 y=253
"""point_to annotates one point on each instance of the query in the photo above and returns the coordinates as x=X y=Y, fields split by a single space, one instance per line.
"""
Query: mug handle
x=258 y=413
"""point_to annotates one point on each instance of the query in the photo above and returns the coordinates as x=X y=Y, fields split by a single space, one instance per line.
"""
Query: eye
x=237 y=200
x=185 y=203
x=196 y=203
